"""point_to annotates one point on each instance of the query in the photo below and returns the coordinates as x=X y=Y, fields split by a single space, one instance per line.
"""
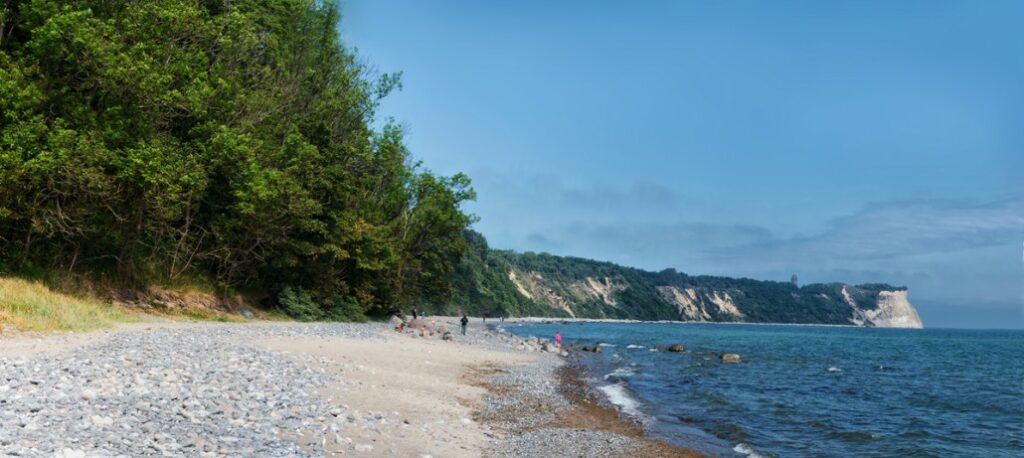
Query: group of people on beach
x=401 y=325
x=418 y=323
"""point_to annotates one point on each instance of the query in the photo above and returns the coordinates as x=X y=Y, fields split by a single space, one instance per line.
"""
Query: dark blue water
x=813 y=391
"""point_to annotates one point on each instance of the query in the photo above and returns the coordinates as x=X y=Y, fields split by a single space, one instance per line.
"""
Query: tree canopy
x=232 y=140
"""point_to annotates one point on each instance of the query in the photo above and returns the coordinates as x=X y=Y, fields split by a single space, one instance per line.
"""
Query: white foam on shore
x=619 y=397
x=634 y=346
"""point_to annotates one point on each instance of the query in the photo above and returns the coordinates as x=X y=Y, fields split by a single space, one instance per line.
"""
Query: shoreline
x=546 y=407
x=572 y=416
x=595 y=412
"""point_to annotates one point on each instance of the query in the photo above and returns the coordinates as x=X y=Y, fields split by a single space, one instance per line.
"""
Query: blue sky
x=841 y=141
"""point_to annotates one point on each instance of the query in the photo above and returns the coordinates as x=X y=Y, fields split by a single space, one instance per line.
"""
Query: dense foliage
x=483 y=288
x=224 y=140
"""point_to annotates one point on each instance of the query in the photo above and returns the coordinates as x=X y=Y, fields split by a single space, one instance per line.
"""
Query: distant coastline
x=547 y=320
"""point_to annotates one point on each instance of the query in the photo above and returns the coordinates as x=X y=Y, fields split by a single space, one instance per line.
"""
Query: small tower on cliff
x=795 y=281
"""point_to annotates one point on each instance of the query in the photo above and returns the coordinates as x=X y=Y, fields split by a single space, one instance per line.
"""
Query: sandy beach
x=419 y=388
x=286 y=389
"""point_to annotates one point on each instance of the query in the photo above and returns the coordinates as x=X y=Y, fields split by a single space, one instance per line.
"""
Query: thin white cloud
x=900 y=229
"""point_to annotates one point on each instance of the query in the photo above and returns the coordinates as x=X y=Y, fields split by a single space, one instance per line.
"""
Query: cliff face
x=704 y=306
x=890 y=309
x=893 y=310
x=514 y=284
x=565 y=295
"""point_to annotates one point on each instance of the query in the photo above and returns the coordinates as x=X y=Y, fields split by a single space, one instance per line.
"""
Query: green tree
x=229 y=140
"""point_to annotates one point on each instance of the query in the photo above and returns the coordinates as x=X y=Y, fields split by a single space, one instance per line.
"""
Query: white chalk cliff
x=694 y=306
x=893 y=311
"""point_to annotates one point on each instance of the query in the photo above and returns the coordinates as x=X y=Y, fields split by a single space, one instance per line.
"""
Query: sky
x=840 y=141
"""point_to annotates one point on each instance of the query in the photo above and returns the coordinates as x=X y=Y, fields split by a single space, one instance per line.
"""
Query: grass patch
x=32 y=306
x=271 y=315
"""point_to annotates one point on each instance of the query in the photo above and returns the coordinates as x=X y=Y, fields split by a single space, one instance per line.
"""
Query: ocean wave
x=620 y=373
x=634 y=346
x=747 y=450
x=620 y=397
x=602 y=344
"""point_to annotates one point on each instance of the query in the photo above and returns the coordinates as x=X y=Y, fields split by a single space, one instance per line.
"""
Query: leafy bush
x=345 y=309
x=298 y=304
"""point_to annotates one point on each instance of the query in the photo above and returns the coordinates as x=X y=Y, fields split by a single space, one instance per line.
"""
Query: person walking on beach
x=465 y=322
x=558 y=338
x=414 y=314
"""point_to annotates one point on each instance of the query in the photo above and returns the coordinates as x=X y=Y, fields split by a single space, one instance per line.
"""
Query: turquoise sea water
x=812 y=391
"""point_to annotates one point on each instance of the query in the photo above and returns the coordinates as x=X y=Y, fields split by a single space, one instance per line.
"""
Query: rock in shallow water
x=730 y=358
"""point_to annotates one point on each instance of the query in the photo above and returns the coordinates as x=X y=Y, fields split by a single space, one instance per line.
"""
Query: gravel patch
x=170 y=391
x=526 y=402
x=525 y=396
x=564 y=442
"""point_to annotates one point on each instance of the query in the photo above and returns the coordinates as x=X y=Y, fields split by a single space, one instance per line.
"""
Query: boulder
x=730 y=358
x=447 y=335
x=395 y=321
x=247 y=314
x=676 y=348
x=592 y=349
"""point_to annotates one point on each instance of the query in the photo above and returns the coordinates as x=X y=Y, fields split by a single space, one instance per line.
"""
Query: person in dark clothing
x=465 y=322
x=414 y=314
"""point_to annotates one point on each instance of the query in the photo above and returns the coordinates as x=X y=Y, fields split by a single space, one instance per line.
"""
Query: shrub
x=298 y=304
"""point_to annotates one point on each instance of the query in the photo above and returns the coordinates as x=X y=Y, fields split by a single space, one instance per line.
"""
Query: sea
x=809 y=391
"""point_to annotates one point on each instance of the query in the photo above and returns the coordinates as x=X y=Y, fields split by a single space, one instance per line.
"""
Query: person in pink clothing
x=558 y=338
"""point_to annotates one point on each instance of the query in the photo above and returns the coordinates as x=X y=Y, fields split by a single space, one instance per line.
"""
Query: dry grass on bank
x=32 y=306
x=43 y=306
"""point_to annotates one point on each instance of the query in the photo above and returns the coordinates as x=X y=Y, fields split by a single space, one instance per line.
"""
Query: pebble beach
x=289 y=389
